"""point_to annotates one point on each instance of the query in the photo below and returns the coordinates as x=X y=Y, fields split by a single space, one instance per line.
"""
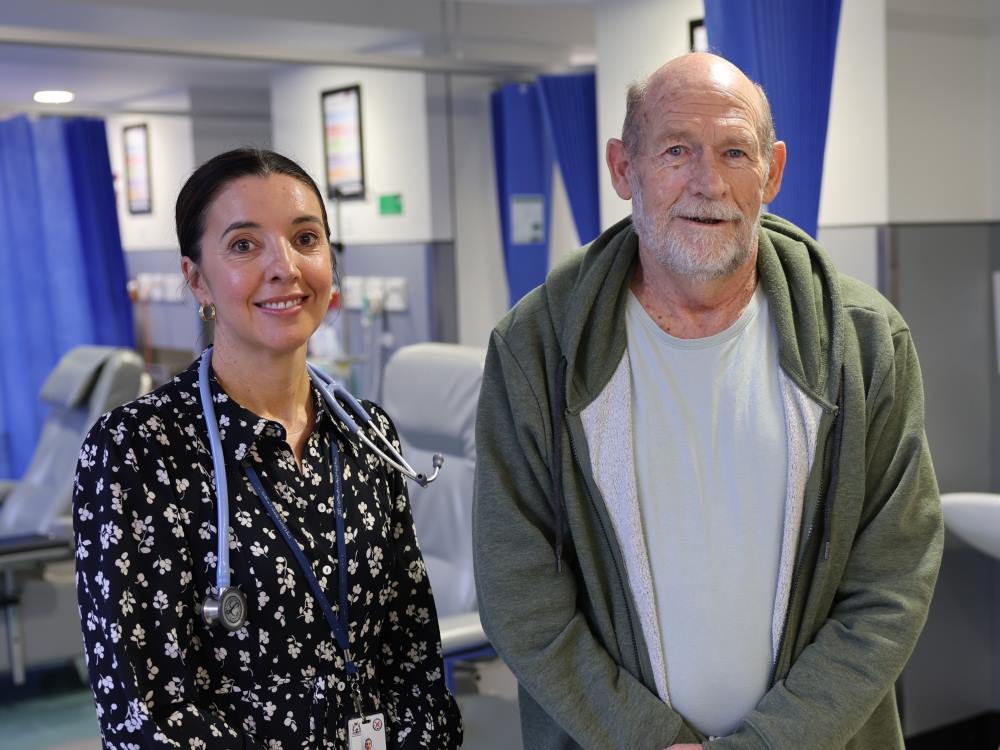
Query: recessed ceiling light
x=54 y=97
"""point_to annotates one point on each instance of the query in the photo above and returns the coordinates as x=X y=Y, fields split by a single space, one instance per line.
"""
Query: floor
x=64 y=721
x=59 y=713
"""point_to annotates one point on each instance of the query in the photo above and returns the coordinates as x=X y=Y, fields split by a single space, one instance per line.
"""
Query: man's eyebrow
x=672 y=133
x=742 y=133
x=741 y=139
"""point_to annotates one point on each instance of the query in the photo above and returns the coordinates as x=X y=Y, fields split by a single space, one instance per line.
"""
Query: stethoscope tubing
x=332 y=390
x=219 y=466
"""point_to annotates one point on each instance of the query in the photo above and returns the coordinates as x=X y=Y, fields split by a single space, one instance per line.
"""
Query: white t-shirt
x=710 y=462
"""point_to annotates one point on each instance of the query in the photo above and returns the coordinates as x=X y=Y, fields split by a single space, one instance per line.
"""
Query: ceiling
x=134 y=54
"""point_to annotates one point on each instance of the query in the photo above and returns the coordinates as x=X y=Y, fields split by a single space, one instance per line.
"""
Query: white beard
x=701 y=257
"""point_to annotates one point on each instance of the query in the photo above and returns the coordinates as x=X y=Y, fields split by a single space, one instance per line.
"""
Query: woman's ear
x=195 y=281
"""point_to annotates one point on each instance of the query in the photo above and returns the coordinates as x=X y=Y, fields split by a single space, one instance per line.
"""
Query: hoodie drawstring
x=831 y=487
x=556 y=499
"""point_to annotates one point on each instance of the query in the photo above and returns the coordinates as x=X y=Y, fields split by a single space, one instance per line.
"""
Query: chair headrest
x=72 y=380
x=431 y=391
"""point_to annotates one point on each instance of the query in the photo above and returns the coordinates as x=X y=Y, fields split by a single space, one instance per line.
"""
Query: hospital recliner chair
x=431 y=391
x=35 y=520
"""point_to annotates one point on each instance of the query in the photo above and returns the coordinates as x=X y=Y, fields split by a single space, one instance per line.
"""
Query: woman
x=169 y=666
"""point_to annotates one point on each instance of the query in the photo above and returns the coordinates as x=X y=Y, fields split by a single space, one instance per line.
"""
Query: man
x=705 y=510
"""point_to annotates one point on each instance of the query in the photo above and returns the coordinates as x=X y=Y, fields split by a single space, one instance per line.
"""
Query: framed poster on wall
x=138 y=189
x=342 y=142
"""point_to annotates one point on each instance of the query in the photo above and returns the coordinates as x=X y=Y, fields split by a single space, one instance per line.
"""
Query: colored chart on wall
x=342 y=142
x=137 y=179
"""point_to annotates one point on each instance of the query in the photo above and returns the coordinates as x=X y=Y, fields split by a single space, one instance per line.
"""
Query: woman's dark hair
x=211 y=177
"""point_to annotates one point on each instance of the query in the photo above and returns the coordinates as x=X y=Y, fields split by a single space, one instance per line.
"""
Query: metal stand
x=15 y=554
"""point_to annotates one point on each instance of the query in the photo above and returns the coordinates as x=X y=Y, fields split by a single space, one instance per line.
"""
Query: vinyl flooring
x=61 y=716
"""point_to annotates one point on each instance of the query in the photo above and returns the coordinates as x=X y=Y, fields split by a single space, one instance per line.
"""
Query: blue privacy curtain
x=533 y=124
x=569 y=107
x=788 y=47
x=63 y=280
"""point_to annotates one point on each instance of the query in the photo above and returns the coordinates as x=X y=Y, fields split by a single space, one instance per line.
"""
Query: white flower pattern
x=144 y=520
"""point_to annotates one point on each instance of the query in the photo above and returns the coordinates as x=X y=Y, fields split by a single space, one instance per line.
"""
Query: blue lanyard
x=339 y=625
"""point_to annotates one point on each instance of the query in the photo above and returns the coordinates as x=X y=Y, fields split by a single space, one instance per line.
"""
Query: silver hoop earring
x=207 y=312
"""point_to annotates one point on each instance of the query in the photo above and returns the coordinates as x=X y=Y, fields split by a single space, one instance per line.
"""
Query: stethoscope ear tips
x=437 y=461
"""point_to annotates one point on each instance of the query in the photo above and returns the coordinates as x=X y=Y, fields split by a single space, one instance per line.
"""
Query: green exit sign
x=391 y=204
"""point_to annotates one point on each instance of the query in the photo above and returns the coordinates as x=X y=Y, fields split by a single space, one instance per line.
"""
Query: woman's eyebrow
x=305 y=219
x=239 y=225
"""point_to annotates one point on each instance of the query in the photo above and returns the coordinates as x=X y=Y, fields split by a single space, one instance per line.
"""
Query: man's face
x=699 y=177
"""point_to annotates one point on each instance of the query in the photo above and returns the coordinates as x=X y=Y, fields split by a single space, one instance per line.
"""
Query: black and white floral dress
x=145 y=523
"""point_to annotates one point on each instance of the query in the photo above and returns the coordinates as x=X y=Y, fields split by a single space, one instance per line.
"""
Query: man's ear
x=195 y=281
x=775 y=170
x=617 y=158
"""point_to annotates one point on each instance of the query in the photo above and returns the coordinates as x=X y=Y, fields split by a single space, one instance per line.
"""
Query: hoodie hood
x=586 y=299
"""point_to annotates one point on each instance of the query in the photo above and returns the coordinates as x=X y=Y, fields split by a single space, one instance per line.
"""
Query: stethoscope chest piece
x=229 y=609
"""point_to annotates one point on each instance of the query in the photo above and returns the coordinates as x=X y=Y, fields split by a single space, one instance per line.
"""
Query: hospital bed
x=35 y=521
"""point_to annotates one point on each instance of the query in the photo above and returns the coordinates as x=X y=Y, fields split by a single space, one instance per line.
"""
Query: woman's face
x=265 y=265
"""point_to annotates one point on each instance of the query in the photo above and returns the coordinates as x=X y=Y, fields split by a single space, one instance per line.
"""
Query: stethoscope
x=226 y=604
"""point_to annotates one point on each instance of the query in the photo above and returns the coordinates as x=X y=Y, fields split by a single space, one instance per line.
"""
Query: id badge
x=367 y=732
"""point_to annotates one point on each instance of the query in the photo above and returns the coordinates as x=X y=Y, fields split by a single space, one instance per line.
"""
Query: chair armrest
x=462 y=633
x=62 y=527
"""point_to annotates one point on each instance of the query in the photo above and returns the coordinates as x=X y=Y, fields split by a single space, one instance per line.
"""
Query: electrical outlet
x=353 y=290
x=375 y=294
x=396 y=297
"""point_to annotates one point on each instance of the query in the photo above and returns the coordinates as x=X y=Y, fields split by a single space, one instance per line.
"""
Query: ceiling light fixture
x=54 y=97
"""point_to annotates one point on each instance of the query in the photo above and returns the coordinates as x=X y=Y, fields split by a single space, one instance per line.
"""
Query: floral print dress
x=145 y=523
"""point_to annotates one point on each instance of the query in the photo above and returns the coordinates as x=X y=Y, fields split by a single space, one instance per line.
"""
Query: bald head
x=693 y=72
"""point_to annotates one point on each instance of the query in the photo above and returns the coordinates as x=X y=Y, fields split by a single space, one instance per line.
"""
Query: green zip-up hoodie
x=556 y=569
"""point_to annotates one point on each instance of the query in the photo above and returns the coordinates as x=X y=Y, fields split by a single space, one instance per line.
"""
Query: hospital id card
x=367 y=733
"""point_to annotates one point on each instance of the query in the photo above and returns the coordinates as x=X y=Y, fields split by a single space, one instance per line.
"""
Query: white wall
x=438 y=108
x=993 y=63
x=855 y=186
x=853 y=250
x=940 y=135
x=480 y=274
x=171 y=152
x=394 y=119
